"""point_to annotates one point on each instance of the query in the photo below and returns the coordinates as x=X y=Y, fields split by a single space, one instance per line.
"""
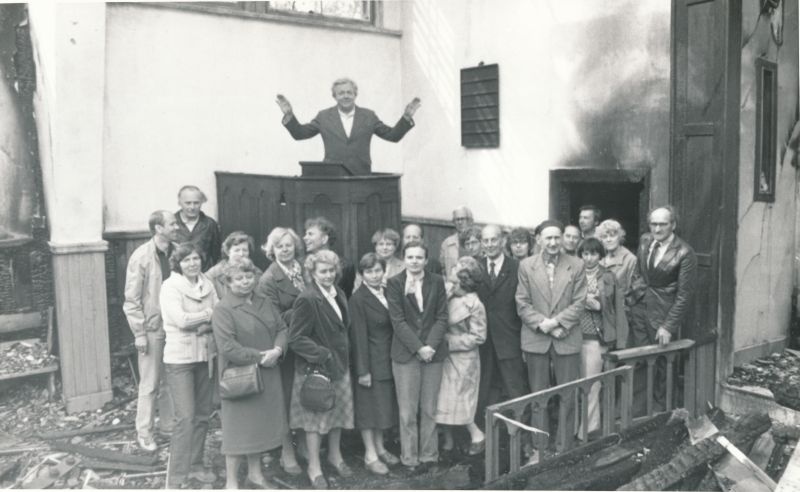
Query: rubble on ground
x=24 y=356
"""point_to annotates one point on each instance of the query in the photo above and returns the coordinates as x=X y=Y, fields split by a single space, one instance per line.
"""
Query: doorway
x=622 y=195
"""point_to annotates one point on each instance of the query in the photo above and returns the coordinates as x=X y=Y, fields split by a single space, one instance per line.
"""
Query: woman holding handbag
x=319 y=339
x=250 y=334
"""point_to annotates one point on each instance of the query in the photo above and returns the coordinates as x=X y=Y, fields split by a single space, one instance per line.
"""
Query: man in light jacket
x=147 y=267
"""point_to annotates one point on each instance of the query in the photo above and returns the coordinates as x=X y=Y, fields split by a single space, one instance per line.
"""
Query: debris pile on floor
x=24 y=356
x=778 y=372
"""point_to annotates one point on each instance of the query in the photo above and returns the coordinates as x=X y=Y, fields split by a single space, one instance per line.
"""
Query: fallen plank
x=111 y=465
x=762 y=450
x=50 y=436
x=790 y=481
x=5 y=452
x=743 y=459
x=104 y=454
x=734 y=476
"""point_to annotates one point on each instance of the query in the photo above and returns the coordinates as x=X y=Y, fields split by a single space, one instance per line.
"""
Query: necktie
x=651 y=264
x=492 y=273
x=551 y=272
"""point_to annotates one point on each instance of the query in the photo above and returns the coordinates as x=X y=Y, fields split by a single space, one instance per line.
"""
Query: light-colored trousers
x=591 y=365
x=153 y=389
x=417 y=386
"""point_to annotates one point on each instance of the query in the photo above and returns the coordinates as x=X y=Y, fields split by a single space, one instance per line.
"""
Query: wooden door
x=704 y=171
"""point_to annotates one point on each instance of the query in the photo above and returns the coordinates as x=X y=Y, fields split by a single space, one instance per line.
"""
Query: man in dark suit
x=550 y=297
x=502 y=367
x=418 y=311
x=661 y=292
x=346 y=129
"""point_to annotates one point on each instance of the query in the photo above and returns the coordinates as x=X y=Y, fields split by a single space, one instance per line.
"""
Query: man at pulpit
x=347 y=129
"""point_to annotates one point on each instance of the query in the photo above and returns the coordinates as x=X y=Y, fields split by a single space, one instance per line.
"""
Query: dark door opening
x=620 y=195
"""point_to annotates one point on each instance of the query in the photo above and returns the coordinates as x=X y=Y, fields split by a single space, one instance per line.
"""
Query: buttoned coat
x=242 y=331
x=317 y=336
x=499 y=299
x=666 y=291
x=536 y=301
x=370 y=335
x=352 y=151
x=279 y=289
x=413 y=329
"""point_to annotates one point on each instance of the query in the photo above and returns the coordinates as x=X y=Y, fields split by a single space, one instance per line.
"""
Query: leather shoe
x=293 y=470
x=389 y=458
x=476 y=448
x=377 y=467
x=342 y=469
x=319 y=483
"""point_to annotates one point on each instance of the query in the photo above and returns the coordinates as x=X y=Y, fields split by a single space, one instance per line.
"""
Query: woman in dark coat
x=319 y=339
x=281 y=283
x=371 y=341
x=248 y=330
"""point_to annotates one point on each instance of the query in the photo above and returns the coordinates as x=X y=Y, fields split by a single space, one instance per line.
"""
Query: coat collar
x=358 y=118
x=283 y=282
x=314 y=290
x=190 y=290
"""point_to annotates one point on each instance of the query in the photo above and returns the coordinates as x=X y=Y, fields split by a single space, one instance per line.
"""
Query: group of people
x=405 y=340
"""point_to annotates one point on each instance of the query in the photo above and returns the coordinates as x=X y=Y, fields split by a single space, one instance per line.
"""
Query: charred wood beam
x=693 y=459
x=50 y=436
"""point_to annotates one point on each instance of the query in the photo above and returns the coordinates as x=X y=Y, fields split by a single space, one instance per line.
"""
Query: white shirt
x=498 y=264
x=379 y=294
x=410 y=279
x=661 y=250
x=347 y=121
x=330 y=296
x=190 y=224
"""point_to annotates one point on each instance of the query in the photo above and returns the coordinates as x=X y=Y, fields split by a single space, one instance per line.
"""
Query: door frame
x=730 y=177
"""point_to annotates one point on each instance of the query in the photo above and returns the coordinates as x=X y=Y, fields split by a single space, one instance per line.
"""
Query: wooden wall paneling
x=82 y=320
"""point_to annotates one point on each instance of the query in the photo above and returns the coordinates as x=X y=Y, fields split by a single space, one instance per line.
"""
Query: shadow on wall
x=621 y=88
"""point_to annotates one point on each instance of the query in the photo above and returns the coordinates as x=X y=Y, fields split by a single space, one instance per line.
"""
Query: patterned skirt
x=341 y=415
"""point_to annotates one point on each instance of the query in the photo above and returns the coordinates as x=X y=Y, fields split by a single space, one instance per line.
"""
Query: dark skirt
x=376 y=406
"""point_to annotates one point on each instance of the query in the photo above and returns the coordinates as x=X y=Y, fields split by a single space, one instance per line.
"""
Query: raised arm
x=296 y=130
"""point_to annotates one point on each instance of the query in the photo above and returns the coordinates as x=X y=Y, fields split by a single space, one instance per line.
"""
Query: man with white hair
x=449 y=251
x=347 y=129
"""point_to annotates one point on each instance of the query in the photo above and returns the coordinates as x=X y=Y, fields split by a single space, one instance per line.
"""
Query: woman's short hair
x=368 y=261
x=520 y=235
x=415 y=244
x=322 y=256
x=387 y=234
x=241 y=265
x=469 y=232
x=611 y=226
x=591 y=245
x=236 y=238
x=324 y=225
x=469 y=277
x=276 y=235
x=182 y=251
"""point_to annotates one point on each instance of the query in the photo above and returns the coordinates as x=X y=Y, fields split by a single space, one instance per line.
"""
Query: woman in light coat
x=458 y=393
x=187 y=300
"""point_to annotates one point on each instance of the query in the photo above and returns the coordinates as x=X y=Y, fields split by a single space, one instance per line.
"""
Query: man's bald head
x=412 y=232
x=492 y=241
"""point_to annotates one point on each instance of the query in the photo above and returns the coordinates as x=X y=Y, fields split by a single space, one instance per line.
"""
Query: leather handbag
x=317 y=393
x=240 y=381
